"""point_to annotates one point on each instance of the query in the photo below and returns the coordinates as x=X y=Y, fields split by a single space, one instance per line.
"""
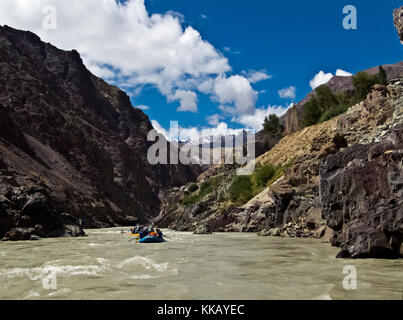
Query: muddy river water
x=105 y=265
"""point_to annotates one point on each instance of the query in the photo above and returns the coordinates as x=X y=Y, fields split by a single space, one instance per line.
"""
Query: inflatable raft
x=151 y=239
x=131 y=234
x=134 y=234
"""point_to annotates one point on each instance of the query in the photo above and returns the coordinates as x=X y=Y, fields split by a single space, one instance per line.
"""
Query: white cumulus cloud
x=319 y=79
x=124 y=43
x=142 y=107
x=322 y=77
x=197 y=135
x=288 y=93
x=342 y=73
x=254 y=76
x=188 y=100
x=128 y=46
x=235 y=94
x=215 y=119
x=255 y=120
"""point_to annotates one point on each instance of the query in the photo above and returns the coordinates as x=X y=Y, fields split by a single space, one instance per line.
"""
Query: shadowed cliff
x=72 y=142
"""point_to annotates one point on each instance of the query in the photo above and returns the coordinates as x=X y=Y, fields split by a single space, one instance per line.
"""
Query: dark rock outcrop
x=28 y=212
x=362 y=197
x=78 y=138
x=264 y=142
x=398 y=21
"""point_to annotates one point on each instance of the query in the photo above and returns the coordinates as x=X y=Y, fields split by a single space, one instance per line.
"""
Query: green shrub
x=190 y=199
x=382 y=76
x=318 y=104
x=263 y=174
x=272 y=125
x=332 y=112
x=193 y=187
x=312 y=112
x=325 y=105
x=240 y=190
x=363 y=83
x=325 y=97
x=244 y=188
x=206 y=188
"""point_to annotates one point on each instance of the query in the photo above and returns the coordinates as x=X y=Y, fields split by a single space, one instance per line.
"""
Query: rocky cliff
x=398 y=21
x=71 y=145
x=339 y=180
x=292 y=120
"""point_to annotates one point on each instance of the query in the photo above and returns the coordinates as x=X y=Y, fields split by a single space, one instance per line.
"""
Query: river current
x=105 y=265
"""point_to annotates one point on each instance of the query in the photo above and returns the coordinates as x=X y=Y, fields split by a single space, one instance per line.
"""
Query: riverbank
x=105 y=265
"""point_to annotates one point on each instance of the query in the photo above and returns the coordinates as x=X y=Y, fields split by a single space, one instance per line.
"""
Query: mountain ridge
x=77 y=136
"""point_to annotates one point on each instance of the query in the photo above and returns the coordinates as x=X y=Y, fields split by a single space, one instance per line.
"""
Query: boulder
x=28 y=213
x=320 y=232
x=68 y=227
x=275 y=232
x=203 y=229
x=18 y=234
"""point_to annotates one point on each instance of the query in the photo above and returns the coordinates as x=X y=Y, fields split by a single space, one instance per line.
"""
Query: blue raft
x=151 y=239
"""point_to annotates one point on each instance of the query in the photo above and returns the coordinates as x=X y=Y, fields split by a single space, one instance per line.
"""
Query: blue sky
x=291 y=40
x=199 y=62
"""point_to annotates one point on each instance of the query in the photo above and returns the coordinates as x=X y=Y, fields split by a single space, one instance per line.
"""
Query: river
x=105 y=265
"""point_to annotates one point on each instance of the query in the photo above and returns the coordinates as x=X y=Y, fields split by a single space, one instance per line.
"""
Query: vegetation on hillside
x=192 y=188
x=207 y=187
x=240 y=189
x=244 y=188
x=271 y=125
x=326 y=105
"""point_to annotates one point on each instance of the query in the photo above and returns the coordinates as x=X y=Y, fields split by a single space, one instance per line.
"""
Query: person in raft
x=159 y=233
x=145 y=233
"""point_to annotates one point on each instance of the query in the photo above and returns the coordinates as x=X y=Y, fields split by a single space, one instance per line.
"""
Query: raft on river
x=151 y=239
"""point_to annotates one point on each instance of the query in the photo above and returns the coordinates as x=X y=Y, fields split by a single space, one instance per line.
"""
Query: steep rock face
x=264 y=142
x=362 y=197
x=204 y=212
x=10 y=133
x=366 y=123
x=77 y=137
x=398 y=21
